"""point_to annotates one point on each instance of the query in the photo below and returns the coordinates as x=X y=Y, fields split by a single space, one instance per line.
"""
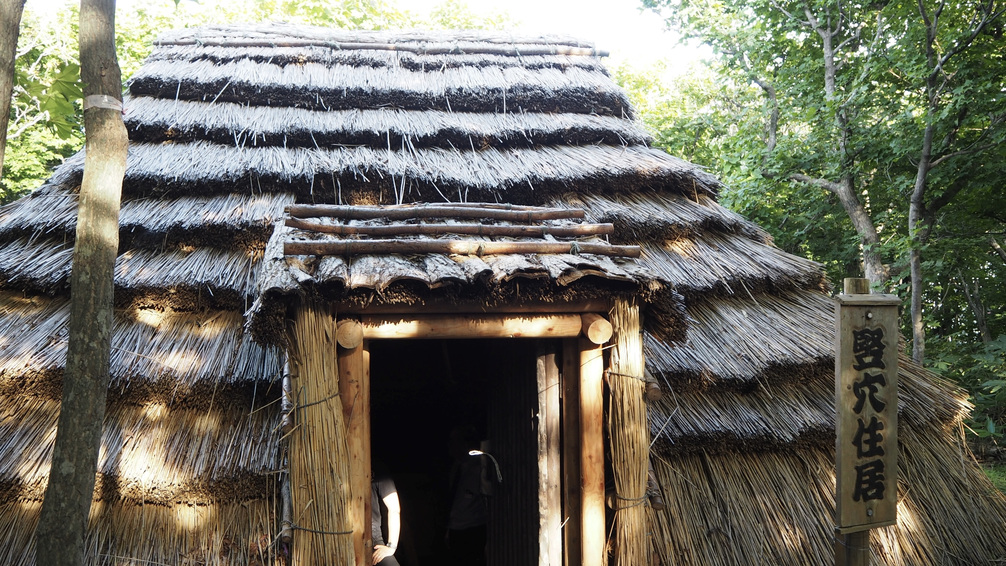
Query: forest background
x=866 y=136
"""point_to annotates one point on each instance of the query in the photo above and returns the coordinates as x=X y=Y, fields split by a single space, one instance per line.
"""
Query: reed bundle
x=630 y=438
x=318 y=451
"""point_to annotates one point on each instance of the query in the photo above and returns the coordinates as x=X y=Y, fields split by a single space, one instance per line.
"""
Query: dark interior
x=420 y=390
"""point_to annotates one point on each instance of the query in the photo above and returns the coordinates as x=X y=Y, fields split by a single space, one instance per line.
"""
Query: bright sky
x=621 y=27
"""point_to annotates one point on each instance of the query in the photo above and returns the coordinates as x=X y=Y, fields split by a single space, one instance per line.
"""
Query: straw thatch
x=230 y=125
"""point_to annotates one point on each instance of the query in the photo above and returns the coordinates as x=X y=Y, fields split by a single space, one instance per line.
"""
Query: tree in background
x=67 y=501
x=10 y=14
x=894 y=109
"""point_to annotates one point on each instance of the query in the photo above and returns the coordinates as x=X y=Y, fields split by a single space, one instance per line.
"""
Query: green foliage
x=997 y=475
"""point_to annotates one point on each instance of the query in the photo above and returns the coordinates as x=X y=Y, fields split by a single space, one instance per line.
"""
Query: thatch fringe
x=729 y=265
x=44 y=266
x=239 y=220
x=344 y=87
x=950 y=517
x=780 y=415
x=147 y=345
x=154 y=169
x=150 y=453
x=153 y=120
x=125 y=534
x=318 y=450
x=738 y=338
x=657 y=216
x=629 y=437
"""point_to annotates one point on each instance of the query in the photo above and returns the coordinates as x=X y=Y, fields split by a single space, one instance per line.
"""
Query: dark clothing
x=379 y=489
x=467 y=547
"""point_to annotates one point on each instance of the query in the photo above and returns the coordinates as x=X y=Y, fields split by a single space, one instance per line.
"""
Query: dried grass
x=125 y=534
x=738 y=338
x=148 y=346
x=629 y=436
x=319 y=454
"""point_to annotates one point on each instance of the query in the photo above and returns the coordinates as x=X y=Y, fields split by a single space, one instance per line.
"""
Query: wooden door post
x=354 y=390
x=592 y=454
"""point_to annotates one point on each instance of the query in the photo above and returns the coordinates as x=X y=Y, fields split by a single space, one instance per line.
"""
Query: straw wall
x=630 y=438
x=319 y=455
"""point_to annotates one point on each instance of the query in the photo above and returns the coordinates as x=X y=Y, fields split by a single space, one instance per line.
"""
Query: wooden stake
x=549 y=481
x=459 y=247
x=592 y=454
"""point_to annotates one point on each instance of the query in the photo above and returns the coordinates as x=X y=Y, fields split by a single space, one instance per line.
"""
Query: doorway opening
x=421 y=390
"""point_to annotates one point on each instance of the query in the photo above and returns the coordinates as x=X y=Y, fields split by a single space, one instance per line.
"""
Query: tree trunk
x=64 y=516
x=915 y=210
x=10 y=14
x=977 y=307
x=998 y=249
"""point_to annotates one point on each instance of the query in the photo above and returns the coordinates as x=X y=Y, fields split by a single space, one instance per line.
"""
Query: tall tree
x=894 y=108
x=10 y=15
x=65 y=509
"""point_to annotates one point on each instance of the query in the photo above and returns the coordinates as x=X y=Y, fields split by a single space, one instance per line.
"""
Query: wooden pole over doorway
x=592 y=454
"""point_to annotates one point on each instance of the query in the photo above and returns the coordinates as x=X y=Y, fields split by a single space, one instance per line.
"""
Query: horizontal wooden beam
x=472 y=308
x=472 y=326
x=570 y=231
x=523 y=214
x=461 y=247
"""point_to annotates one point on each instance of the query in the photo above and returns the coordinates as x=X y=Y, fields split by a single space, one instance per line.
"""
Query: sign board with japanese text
x=866 y=397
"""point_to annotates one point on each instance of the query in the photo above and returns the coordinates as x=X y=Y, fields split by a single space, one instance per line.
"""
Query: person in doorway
x=466 y=523
x=383 y=492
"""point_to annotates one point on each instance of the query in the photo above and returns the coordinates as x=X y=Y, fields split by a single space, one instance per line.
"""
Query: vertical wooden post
x=852 y=549
x=354 y=390
x=549 y=484
x=592 y=454
x=571 y=450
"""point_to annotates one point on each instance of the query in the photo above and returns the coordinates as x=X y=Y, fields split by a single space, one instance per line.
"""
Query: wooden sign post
x=866 y=418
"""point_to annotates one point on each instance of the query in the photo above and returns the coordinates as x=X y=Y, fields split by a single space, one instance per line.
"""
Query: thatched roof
x=230 y=125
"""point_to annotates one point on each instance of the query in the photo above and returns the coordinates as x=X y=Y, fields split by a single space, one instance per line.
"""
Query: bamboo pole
x=628 y=432
x=431 y=211
x=354 y=390
x=461 y=247
x=319 y=455
x=592 y=535
x=571 y=231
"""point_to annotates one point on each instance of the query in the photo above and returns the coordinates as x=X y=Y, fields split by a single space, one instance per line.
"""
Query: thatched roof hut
x=230 y=127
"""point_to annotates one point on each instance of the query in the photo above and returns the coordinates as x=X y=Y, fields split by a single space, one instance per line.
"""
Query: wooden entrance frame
x=581 y=516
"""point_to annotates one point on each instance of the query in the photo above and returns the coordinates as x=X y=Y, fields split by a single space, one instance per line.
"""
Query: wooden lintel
x=435 y=306
x=472 y=326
